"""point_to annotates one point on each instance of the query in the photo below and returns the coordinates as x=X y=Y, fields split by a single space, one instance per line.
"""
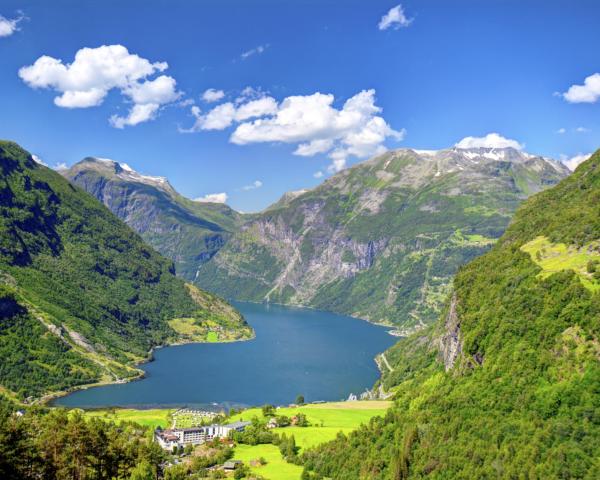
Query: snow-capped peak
x=125 y=172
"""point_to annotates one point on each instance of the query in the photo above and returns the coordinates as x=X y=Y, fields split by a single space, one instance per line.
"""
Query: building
x=179 y=437
x=232 y=464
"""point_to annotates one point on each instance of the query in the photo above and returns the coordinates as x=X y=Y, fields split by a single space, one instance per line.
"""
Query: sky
x=243 y=100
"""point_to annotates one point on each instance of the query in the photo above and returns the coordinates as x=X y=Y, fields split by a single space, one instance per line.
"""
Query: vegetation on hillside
x=382 y=239
x=56 y=445
x=187 y=232
x=82 y=298
x=507 y=383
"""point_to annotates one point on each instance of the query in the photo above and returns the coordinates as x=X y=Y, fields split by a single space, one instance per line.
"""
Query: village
x=207 y=444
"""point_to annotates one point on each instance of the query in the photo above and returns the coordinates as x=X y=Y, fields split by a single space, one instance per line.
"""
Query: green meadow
x=555 y=257
x=158 y=417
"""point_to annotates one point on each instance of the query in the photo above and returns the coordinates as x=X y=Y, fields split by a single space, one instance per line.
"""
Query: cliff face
x=382 y=239
x=450 y=343
x=187 y=232
x=505 y=383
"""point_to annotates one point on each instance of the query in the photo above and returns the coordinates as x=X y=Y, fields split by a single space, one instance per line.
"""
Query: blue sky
x=434 y=73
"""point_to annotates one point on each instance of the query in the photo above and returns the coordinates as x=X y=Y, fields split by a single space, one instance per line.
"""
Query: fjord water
x=320 y=355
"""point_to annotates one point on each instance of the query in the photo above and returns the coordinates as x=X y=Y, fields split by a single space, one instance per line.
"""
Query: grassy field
x=326 y=419
x=275 y=469
x=149 y=418
x=554 y=257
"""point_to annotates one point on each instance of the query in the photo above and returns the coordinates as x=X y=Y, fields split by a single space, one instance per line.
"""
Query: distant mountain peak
x=124 y=172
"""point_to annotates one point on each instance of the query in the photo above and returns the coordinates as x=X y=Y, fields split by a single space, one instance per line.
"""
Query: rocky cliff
x=187 y=232
x=380 y=240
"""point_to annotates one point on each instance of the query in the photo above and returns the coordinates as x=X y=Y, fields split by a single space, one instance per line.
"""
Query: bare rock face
x=382 y=239
x=450 y=343
x=187 y=232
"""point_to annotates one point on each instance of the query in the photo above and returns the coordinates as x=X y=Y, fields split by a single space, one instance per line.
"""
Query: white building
x=178 y=437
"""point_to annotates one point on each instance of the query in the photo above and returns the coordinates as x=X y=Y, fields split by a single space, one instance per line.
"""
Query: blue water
x=320 y=355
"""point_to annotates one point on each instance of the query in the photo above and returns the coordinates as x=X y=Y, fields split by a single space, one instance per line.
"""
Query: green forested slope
x=82 y=298
x=380 y=240
x=507 y=383
x=187 y=232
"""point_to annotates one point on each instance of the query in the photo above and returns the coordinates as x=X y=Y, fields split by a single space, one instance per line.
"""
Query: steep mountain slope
x=82 y=297
x=187 y=232
x=382 y=239
x=507 y=383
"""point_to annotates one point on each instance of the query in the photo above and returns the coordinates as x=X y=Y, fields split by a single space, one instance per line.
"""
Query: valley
x=379 y=241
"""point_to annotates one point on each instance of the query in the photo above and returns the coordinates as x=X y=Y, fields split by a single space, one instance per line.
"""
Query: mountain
x=82 y=297
x=507 y=383
x=187 y=232
x=380 y=240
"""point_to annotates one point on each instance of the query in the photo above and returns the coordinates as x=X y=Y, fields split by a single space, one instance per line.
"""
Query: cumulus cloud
x=57 y=166
x=254 y=51
x=225 y=114
x=253 y=186
x=573 y=162
x=311 y=122
x=8 y=26
x=394 y=18
x=318 y=174
x=582 y=130
x=211 y=95
x=95 y=72
x=317 y=127
x=561 y=131
x=212 y=198
x=589 y=92
x=491 y=140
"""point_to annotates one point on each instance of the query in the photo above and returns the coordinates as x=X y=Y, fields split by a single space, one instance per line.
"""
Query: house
x=272 y=423
x=232 y=464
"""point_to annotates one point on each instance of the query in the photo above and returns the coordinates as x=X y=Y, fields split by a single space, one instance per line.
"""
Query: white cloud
x=315 y=146
x=312 y=122
x=211 y=95
x=589 y=92
x=561 y=131
x=8 y=26
x=37 y=159
x=582 y=130
x=573 y=162
x=137 y=114
x=256 y=108
x=318 y=174
x=254 y=51
x=394 y=18
x=57 y=166
x=213 y=198
x=253 y=186
x=223 y=115
x=250 y=93
x=95 y=72
x=491 y=140
x=60 y=166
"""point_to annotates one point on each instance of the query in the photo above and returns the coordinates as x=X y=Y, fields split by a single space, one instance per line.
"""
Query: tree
x=142 y=471
x=176 y=472
x=300 y=400
x=268 y=410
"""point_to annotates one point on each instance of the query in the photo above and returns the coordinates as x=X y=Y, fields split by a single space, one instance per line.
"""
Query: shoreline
x=47 y=399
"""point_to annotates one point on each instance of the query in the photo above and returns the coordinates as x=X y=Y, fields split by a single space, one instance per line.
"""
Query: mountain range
x=380 y=240
x=506 y=384
x=82 y=298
